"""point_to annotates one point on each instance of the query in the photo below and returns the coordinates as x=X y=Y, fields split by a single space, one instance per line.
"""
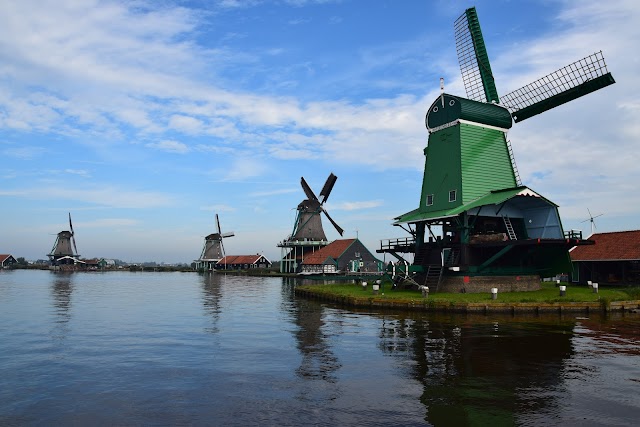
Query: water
x=123 y=348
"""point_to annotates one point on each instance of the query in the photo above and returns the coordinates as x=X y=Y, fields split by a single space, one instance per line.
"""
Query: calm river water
x=123 y=348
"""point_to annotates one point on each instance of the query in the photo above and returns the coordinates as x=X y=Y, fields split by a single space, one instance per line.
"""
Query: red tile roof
x=334 y=250
x=240 y=259
x=614 y=246
x=3 y=257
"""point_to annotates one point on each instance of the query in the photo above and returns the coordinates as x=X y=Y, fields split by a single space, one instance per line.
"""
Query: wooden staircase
x=453 y=258
x=419 y=257
x=433 y=276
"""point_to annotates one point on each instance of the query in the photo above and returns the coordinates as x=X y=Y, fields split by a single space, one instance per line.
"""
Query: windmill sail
x=474 y=61
x=335 y=224
x=307 y=190
x=328 y=186
x=566 y=84
x=73 y=235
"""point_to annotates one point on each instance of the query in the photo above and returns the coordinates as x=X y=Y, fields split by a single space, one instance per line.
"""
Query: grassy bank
x=548 y=294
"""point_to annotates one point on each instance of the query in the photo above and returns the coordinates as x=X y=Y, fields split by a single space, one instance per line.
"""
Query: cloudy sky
x=146 y=118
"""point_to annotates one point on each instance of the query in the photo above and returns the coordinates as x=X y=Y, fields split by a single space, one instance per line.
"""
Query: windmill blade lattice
x=573 y=81
x=566 y=84
x=473 y=58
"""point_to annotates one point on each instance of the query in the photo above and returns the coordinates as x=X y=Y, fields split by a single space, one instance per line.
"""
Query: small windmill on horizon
x=213 y=249
x=591 y=220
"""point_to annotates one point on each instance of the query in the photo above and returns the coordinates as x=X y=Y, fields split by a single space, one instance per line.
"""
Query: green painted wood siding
x=485 y=163
x=442 y=170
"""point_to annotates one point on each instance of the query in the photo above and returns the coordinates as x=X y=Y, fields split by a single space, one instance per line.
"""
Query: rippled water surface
x=123 y=348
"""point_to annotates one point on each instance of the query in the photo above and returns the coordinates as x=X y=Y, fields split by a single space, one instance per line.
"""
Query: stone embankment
x=426 y=304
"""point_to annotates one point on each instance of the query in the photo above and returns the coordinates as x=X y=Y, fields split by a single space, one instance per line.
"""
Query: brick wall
x=475 y=284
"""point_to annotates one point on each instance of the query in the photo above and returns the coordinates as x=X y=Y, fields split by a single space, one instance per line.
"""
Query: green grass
x=548 y=294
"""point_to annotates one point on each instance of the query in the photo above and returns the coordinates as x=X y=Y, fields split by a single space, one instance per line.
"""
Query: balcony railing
x=390 y=244
x=573 y=234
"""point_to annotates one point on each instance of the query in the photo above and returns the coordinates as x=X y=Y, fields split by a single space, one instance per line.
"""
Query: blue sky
x=145 y=118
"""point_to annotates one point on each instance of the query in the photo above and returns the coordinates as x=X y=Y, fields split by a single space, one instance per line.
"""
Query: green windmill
x=477 y=226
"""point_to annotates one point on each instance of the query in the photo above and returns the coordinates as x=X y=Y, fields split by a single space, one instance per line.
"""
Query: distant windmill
x=591 y=220
x=308 y=222
x=213 y=250
x=308 y=234
x=62 y=252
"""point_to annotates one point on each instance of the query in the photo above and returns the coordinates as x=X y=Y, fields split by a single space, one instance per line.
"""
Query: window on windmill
x=429 y=199
x=452 y=195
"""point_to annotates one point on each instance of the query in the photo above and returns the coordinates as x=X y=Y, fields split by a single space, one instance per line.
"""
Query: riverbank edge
x=424 y=304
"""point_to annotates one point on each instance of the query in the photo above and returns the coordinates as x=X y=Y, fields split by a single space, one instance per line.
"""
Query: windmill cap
x=449 y=108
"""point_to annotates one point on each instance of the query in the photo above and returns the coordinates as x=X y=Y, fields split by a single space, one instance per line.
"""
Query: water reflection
x=318 y=360
x=61 y=290
x=620 y=334
x=476 y=370
x=211 y=297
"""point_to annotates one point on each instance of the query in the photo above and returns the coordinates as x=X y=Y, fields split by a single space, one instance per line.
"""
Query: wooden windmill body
x=477 y=226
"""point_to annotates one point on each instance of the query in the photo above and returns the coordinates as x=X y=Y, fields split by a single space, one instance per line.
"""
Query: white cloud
x=106 y=196
x=187 y=124
x=108 y=223
x=237 y=4
x=354 y=206
x=80 y=172
x=24 y=152
x=273 y=192
x=244 y=168
x=169 y=146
